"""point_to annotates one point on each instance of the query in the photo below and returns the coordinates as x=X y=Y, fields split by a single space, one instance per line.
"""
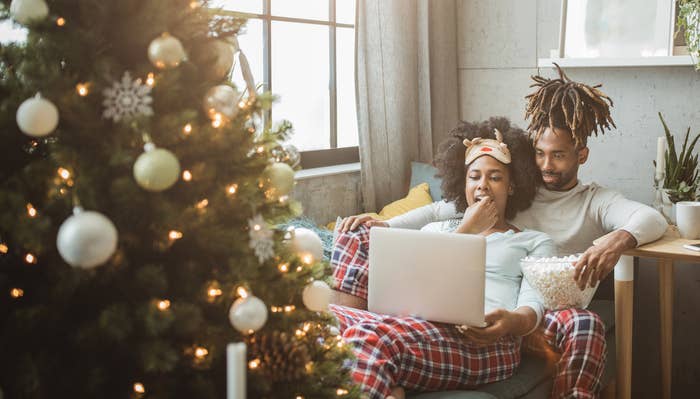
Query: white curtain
x=407 y=89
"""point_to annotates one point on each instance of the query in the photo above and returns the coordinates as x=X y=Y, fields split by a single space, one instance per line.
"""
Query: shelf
x=676 y=60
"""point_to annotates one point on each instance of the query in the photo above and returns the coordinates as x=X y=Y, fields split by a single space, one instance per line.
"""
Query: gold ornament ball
x=166 y=51
x=222 y=62
x=27 y=11
x=221 y=100
x=157 y=169
x=37 y=116
x=279 y=177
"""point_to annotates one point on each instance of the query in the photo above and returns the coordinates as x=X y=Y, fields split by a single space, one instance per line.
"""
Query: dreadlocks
x=565 y=104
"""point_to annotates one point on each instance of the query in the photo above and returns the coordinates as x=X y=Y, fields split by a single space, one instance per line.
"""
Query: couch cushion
x=533 y=375
x=417 y=196
x=425 y=173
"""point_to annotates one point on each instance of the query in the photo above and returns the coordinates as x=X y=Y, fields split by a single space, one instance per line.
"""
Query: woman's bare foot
x=397 y=393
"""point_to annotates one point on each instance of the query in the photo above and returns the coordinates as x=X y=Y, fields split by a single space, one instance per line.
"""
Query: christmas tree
x=140 y=198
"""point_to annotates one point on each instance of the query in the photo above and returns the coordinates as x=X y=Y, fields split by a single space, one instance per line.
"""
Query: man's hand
x=501 y=322
x=599 y=260
x=352 y=222
x=479 y=217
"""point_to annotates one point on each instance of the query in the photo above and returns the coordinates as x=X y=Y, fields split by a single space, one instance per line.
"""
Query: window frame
x=311 y=158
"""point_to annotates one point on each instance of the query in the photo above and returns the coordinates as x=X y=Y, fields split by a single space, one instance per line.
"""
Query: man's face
x=558 y=159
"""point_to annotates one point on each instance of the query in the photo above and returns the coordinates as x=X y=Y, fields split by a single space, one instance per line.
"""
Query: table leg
x=624 y=297
x=666 y=316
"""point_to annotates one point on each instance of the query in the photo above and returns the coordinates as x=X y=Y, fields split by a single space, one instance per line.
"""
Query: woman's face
x=488 y=177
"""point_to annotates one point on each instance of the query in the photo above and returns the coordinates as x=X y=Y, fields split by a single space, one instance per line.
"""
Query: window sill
x=675 y=60
x=305 y=174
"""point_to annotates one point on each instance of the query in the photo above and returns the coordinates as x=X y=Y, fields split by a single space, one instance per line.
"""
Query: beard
x=558 y=181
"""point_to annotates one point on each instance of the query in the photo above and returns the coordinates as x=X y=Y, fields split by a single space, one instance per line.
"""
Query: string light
x=174 y=235
x=289 y=308
x=139 y=388
x=299 y=397
x=202 y=204
x=4 y=248
x=214 y=292
x=194 y=4
x=200 y=352
x=150 y=79
x=187 y=175
x=283 y=199
x=241 y=104
x=307 y=259
x=242 y=292
x=307 y=327
x=163 y=305
x=341 y=392
x=260 y=149
x=232 y=189
x=187 y=129
x=300 y=333
x=309 y=367
x=217 y=120
x=64 y=173
x=299 y=268
x=253 y=364
x=283 y=267
x=82 y=89
x=30 y=258
x=31 y=211
x=16 y=293
x=61 y=21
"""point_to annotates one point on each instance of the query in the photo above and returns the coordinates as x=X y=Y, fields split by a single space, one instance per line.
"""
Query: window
x=303 y=51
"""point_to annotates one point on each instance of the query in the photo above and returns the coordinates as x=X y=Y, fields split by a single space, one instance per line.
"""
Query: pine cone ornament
x=283 y=358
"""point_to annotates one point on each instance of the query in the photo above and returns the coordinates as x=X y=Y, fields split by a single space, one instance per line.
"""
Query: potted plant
x=688 y=21
x=682 y=177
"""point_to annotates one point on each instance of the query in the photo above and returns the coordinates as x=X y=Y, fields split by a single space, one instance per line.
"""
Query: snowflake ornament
x=126 y=99
x=261 y=238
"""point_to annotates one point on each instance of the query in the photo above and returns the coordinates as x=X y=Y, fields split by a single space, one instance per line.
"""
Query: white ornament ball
x=307 y=245
x=316 y=296
x=279 y=177
x=223 y=58
x=248 y=314
x=157 y=169
x=86 y=239
x=166 y=51
x=221 y=100
x=37 y=116
x=26 y=11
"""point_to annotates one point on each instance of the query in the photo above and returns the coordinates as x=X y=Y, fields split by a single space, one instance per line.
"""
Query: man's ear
x=582 y=155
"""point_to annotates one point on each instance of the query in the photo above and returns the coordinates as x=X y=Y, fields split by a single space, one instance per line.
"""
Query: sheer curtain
x=407 y=89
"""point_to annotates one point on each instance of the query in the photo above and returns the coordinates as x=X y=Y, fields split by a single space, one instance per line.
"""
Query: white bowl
x=553 y=278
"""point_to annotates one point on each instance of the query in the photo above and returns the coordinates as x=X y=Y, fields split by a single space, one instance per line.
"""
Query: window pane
x=308 y=9
x=251 y=43
x=345 y=83
x=300 y=79
x=345 y=11
x=251 y=6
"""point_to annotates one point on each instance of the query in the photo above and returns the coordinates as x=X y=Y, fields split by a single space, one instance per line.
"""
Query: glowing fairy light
x=150 y=79
x=187 y=175
x=4 y=248
x=202 y=204
x=214 y=292
x=139 y=388
x=200 y=352
x=289 y=308
x=163 y=305
x=83 y=89
x=187 y=129
x=283 y=267
x=31 y=211
x=61 y=21
x=232 y=189
x=307 y=259
x=16 y=293
x=30 y=258
x=253 y=364
x=242 y=292
x=217 y=120
x=64 y=173
x=174 y=235
x=341 y=392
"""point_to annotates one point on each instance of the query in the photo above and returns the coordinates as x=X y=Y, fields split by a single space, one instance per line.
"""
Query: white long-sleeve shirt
x=573 y=218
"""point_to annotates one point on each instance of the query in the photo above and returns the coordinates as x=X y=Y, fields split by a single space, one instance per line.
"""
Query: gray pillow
x=425 y=173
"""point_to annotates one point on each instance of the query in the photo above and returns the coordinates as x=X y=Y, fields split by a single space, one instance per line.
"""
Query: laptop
x=434 y=276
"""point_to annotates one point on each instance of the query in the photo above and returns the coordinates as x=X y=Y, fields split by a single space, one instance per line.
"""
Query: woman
x=490 y=179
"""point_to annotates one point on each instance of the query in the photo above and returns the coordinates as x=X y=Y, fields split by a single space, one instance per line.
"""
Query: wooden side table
x=667 y=249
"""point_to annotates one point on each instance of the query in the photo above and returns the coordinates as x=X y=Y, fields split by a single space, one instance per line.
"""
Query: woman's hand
x=352 y=222
x=479 y=217
x=501 y=322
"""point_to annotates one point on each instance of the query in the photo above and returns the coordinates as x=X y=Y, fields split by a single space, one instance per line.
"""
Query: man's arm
x=632 y=224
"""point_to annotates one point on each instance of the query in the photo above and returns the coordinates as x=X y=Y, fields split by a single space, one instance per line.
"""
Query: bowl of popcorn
x=553 y=278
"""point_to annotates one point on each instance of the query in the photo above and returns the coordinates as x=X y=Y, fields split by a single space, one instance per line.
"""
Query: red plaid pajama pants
x=425 y=356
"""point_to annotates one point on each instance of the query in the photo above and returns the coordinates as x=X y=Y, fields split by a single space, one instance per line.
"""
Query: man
x=563 y=115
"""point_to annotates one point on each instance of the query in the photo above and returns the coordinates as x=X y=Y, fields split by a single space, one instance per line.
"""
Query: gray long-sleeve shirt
x=573 y=218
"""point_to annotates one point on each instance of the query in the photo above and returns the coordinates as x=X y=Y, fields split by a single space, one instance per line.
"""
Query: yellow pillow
x=417 y=196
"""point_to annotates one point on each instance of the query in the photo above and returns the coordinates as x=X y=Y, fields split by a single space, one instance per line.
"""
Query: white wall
x=498 y=46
